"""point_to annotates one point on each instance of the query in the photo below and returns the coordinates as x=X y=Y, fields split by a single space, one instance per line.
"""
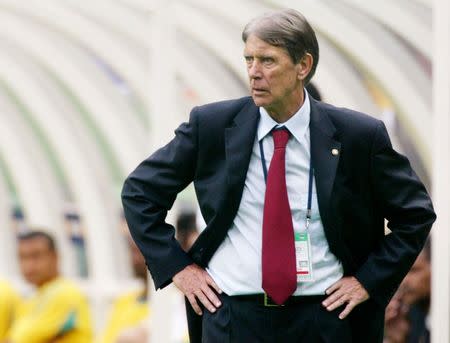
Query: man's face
x=39 y=264
x=275 y=80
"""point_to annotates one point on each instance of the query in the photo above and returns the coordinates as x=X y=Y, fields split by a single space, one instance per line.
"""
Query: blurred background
x=88 y=89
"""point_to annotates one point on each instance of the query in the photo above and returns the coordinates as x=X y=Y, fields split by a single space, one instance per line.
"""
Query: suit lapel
x=239 y=139
x=323 y=141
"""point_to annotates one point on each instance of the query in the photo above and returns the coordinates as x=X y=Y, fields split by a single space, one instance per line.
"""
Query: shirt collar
x=297 y=124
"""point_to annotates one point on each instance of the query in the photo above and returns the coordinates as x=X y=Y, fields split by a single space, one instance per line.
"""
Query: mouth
x=259 y=90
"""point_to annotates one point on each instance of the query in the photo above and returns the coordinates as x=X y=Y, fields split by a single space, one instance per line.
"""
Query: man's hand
x=395 y=308
x=396 y=323
x=347 y=290
x=195 y=283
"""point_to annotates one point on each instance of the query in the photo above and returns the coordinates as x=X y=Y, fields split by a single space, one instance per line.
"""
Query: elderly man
x=58 y=311
x=294 y=193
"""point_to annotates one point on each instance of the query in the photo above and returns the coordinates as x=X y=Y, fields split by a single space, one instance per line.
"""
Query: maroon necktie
x=279 y=278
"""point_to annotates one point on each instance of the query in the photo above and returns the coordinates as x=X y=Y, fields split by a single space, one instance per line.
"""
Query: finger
x=211 y=282
x=350 y=306
x=336 y=304
x=194 y=304
x=332 y=298
x=205 y=301
x=211 y=296
x=333 y=287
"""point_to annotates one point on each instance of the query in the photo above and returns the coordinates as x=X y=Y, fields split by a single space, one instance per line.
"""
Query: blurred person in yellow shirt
x=127 y=322
x=9 y=302
x=129 y=312
x=58 y=311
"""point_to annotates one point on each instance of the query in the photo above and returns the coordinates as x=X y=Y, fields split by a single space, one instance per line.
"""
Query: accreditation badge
x=303 y=257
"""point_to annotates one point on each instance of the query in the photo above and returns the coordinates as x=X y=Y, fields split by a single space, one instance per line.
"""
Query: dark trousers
x=244 y=321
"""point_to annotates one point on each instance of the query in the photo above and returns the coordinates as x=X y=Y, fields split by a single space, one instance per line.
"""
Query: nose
x=28 y=267
x=254 y=70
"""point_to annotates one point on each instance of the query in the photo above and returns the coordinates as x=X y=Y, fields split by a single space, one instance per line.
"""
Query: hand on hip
x=197 y=285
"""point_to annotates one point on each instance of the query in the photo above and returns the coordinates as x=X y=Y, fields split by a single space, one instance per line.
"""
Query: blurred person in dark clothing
x=416 y=287
x=186 y=229
x=313 y=91
x=407 y=315
x=396 y=325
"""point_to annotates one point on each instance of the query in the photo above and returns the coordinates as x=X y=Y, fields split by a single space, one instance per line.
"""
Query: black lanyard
x=310 y=183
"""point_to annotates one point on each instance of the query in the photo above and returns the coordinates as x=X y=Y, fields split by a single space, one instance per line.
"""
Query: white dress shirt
x=236 y=265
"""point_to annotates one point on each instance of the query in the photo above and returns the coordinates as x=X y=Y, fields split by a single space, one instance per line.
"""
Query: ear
x=304 y=66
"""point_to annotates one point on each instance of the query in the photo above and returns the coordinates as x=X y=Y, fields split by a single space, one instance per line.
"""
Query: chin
x=31 y=280
x=260 y=101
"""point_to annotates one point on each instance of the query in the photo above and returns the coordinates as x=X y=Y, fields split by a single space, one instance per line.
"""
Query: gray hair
x=289 y=30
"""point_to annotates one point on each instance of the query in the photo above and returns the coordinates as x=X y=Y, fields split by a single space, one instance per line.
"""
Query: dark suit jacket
x=367 y=182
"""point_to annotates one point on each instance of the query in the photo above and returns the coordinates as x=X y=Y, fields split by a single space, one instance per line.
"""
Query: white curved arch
x=352 y=95
x=89 y=34
x=37 y=185
x=89 y=192
x=8 y=261
x=92 y=98
x=411 y=64
x=26 y=175
x=204 y=73
x=207 y=31
x=340 y=83
x=427 y=3
x=394 y=15
x=371 y=57
x=116 y=18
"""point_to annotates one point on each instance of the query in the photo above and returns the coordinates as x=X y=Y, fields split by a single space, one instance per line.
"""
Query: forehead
x=33 y=244
x=256 y=46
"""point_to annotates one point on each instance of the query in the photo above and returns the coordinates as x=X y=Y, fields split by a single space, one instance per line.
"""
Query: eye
x=248 y=59
x=267 y=60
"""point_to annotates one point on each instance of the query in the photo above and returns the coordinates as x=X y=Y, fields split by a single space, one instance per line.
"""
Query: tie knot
x=280 y=137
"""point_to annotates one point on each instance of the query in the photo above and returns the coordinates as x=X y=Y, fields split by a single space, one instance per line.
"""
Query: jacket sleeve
x=150 y=191
x=406 y=205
